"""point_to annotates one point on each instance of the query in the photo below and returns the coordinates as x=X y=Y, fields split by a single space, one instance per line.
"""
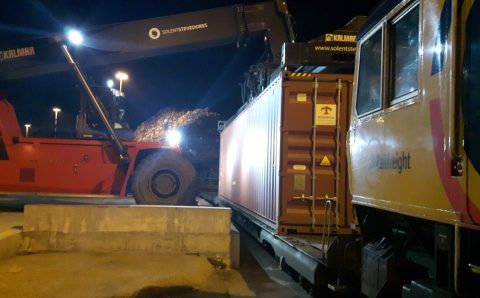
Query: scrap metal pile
x=154 y=128
x=200 y=139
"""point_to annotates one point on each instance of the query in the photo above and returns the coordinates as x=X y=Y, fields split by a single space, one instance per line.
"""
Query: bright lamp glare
x=75 y=37
x=110 y=83
x=121 y=76
x=438 y=48
x=174 y=137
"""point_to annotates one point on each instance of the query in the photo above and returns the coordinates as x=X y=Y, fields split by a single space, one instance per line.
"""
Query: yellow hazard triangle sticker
x=325 y=162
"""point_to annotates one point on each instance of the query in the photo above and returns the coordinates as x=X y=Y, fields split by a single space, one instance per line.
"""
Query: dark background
x=204 y=78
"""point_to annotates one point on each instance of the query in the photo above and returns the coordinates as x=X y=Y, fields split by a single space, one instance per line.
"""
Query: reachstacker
x=100 y=157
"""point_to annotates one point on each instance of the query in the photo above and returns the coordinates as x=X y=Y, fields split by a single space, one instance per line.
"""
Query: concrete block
x=161 y=229
x=10 y=243
x=94 y=218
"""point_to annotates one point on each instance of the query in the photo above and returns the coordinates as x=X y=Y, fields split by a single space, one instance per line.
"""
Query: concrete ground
x=136 y=274
x=117 y=275
x=262 y=273
x=10 y=219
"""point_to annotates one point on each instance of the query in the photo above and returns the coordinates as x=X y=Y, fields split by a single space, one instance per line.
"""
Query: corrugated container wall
x=267 y=157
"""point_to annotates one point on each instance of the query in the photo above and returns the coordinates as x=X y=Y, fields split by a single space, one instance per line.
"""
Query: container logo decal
x=155 y=33
x=340 y=37
x=326 y=114
x=17 y=53
x=325 y=162
x=321 y=48
x=398 y=162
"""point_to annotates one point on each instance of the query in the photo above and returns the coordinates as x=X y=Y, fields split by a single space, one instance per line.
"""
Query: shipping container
x=269 y=167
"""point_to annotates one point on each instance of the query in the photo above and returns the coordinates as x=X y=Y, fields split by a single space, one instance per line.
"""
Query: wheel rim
x=165 y=184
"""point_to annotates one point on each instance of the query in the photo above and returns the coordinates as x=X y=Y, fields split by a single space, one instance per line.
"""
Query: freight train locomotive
x=414 y=148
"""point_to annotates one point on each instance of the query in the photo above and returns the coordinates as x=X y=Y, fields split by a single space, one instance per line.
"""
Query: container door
x=309 y=119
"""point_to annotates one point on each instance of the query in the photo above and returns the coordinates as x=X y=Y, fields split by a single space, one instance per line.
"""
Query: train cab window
x=370 y=74
x=404 y=56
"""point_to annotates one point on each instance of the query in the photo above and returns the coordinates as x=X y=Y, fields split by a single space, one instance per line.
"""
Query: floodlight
x=75 y=37
x=27 y=129
x=121 y=76
x=174 y=137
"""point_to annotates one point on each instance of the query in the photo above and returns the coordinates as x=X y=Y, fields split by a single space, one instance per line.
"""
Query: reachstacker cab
x=414 y=149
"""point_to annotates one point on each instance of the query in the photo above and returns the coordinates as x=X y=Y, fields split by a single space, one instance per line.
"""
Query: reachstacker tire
x=165 y=178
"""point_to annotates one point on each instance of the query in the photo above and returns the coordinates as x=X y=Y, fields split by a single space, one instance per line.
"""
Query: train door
x=471 y=104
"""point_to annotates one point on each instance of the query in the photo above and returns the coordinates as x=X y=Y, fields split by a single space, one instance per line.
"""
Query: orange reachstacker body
x=50 y=165
x=77 y=167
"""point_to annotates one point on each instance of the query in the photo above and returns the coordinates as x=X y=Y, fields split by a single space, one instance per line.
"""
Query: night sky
x=204 y=78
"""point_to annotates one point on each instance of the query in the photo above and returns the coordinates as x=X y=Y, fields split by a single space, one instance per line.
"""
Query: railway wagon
x=283 y=169
x=414 y=148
